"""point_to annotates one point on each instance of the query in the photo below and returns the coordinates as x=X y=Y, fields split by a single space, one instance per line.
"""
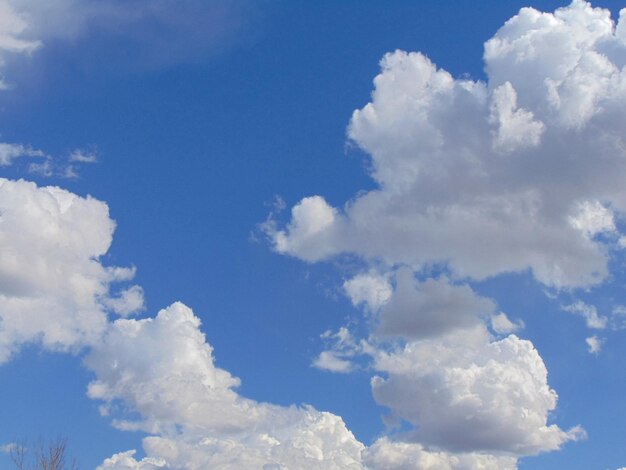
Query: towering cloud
x=523 y=172
x=493 y=177
x=163 y=370
x=53 y=289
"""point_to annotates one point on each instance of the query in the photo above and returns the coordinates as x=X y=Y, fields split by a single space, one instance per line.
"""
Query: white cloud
x=593 y=218
x=126 y=461
x=594 y=343
x=515 y=127
x=53 y=288
x=520 y=173
x=430 y=308
x=488 y=178
x=7 y=448
x=370 y=289
x=155 y=32
x=83 y=156
x=484 y=178
x=310 y=219
x=10 y=152
x=557 y=61
x=12 y=26
x=163 y=370
x=342 y=348
x=589 y=313
x=501 y=324
x=12 y=40
x=410 y=456
x=55 y=166
x=331 y=361
x=468 y=393
x=44 y=168
x=128 y=301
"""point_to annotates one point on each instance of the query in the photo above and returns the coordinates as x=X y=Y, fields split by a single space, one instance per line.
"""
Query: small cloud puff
x=595 y=344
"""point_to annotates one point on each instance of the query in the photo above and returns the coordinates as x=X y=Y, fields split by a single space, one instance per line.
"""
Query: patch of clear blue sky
x=190 y=155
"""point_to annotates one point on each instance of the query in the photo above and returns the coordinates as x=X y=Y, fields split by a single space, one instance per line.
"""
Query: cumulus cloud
x=126 y=461
x=593 y=218
x=127 y=302
x=513 y=174
x=430 y=308
x=369 y=289
x=162 y=369
x=391 y=455
x=501 y=324
x=521 y=173
x=311 y=220
x=516 y=128
x=53 y=288
x=468 y=393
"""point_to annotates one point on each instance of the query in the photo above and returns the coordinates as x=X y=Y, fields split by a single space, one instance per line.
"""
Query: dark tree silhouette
x=44 y=457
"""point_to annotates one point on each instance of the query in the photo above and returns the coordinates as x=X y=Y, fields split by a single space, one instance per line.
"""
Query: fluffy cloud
x=126 y=461
x=369 y=289
x=466 y=392
x=523 y=172
x=517 y=173
x=501 y=324
x=309 y=234
x=163 y=370
x=431 y=308
x=53 y=288
x=390 y=455
x=593 y=218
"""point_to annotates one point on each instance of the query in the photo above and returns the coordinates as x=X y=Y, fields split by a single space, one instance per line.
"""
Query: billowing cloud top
x=163 y=369
x=487 y=178
x=53 y=288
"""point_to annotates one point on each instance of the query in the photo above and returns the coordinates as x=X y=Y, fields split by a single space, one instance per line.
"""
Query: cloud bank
x=522 y=172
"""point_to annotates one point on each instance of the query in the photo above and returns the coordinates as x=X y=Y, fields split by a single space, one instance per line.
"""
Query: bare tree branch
x=46 y=457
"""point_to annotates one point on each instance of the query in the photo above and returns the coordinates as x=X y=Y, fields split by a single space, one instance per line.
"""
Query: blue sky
x=381 y=288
